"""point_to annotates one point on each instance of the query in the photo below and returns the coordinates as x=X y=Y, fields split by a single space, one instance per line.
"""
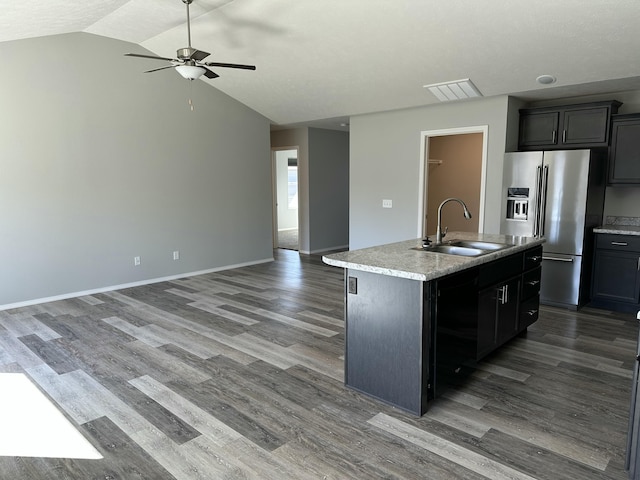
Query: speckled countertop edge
x=401 y=260
x=618 y=229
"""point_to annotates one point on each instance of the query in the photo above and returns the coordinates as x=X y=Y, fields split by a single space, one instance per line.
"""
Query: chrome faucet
x=439 y=234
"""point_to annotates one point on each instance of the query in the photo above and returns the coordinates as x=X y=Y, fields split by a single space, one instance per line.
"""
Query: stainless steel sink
x=491 y=246
x=457 y=250
x=465 y=248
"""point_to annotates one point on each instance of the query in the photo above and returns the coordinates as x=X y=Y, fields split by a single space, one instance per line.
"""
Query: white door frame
x=274 y=192
x=424 y=170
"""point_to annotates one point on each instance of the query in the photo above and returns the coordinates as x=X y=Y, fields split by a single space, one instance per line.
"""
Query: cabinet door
x=508 y=301
x=616 y=276
x=497 y=315
x=487 y=321
x=624 y=162
x=585 y=127
x=538 y=129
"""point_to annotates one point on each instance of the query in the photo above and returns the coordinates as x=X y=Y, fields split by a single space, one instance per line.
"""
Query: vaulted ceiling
x=329 y=59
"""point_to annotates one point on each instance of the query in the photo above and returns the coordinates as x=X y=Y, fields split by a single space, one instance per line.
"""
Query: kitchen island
x=414 y=317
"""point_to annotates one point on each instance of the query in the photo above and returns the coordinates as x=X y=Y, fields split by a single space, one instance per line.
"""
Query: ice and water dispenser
x=517 y=203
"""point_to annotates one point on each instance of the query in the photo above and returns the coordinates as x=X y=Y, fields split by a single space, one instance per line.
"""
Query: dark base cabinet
x=616 y=273
x=406 y=339
x=387 y=339
x=481 y=309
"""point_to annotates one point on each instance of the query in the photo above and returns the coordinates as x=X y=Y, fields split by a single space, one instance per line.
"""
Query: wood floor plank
x=474 y=462
x=239 y=374
x=21 y=325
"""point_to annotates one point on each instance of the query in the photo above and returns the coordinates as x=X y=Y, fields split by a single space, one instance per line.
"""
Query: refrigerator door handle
x=543 y=200
x=554 y=259
x=536 y=218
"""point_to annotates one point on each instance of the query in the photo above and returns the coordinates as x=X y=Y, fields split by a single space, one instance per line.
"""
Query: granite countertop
x=617 y=225
x=618 y=229
x=402 y=260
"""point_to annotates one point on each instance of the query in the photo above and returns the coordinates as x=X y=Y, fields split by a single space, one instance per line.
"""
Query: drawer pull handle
x=620 y=244
x=567 y=260
x=535 y=258
x=503 y=294
x=535 y=282
x=531 y=313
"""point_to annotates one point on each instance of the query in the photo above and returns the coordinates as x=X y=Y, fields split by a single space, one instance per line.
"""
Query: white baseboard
x=331 y=249
x=111 y=288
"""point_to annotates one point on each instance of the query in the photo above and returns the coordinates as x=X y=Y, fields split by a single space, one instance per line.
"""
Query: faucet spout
x=439 y=234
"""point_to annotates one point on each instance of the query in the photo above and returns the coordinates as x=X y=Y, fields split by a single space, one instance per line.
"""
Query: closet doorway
x=454 y=165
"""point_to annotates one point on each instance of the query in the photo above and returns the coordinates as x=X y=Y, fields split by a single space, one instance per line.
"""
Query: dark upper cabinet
x=624 y=156
x=566 y=127
x=616 y=272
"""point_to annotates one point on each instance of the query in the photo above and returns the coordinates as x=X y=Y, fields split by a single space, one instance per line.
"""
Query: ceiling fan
x=189 y=63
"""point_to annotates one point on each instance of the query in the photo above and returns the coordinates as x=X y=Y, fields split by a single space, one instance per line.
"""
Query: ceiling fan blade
x=199 y=55
x=151 y=56
x=161 y=68
x=230 y=65
x=209 y=74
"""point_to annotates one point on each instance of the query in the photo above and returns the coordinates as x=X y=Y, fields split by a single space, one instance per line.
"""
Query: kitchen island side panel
x=387 y=339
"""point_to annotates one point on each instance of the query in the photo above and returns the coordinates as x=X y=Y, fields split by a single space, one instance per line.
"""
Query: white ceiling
x=329 y=59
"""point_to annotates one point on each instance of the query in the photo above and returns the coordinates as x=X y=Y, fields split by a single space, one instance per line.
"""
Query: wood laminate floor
x=239 y=374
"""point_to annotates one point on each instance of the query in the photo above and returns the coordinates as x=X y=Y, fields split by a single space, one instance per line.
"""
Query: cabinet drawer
x=529 y=311
x=623 y=243
x=532 y=258
x=500 y=270
x=531 y=283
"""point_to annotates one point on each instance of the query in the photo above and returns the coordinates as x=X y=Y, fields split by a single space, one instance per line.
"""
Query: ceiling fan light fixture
x=190 y=72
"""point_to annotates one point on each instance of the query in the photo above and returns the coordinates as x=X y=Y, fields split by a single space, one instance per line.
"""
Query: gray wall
x=100 y=163
x=328 y=189
x=385 y=160
x=323 y=176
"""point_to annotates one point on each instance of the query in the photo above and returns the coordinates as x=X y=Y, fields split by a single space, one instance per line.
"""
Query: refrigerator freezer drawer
x=560 y=284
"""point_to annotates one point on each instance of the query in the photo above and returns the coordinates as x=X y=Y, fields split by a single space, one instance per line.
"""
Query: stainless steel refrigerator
x=558 y=195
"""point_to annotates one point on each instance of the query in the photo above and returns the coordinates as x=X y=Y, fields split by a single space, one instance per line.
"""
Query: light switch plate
x=387 y=203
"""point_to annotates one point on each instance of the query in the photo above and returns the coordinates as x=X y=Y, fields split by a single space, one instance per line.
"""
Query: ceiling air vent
x=455 y=90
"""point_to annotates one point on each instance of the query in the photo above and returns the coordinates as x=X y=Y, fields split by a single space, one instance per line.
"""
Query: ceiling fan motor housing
x=185 y=53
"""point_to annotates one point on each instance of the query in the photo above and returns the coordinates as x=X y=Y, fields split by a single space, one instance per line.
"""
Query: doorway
x=453 y=165
x=286 y=231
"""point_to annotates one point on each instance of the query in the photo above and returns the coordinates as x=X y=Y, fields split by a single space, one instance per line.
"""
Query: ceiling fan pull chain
x=191 y=94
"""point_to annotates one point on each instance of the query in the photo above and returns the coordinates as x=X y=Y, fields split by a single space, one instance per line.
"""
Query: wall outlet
x=176 y=255
x=136 y=261
x=353 y=285
x=387 y=203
